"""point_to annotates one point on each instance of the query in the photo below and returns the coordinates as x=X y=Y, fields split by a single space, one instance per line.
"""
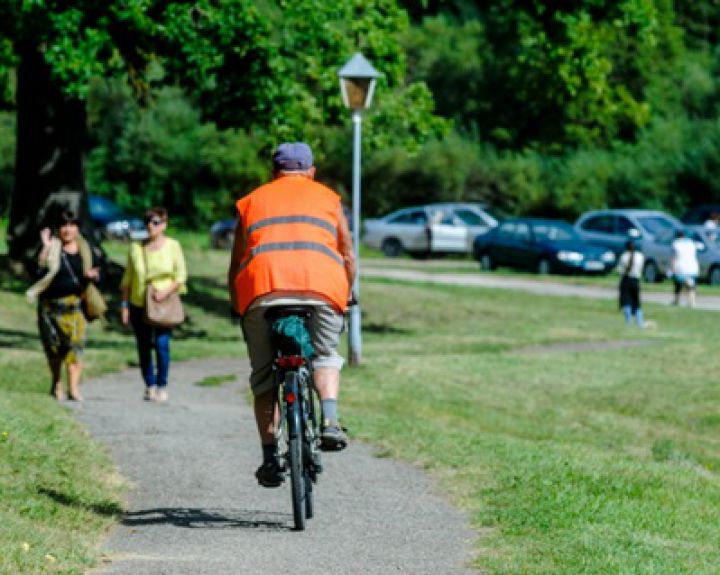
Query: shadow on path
x=195 y=518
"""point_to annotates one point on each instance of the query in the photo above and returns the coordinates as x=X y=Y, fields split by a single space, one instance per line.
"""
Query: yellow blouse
x=164 y=266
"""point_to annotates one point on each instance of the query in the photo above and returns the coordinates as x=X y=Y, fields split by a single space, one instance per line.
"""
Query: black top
x=63 y=284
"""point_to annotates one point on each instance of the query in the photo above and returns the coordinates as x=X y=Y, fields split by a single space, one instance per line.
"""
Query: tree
x=270 y=70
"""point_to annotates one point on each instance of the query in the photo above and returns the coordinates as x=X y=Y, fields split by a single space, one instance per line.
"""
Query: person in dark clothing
x=630 y=267
x=66 y=265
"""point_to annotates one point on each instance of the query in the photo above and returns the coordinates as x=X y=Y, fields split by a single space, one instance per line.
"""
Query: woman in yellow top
x=158 y=261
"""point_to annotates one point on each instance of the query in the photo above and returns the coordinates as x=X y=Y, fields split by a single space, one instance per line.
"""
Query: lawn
x=566 y=460
x=59 y=492
x=596 y=461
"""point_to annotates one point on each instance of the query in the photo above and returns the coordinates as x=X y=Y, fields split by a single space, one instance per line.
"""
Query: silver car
x=431 y=229
x=658 y=255
x=613 y=228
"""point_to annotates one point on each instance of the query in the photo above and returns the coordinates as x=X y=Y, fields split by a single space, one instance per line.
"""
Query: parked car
x=113 y=222
x=698 y=215
x=541 y=245
x=658 y=255
x=453 y=228
x=613 y=228
x=222 y=233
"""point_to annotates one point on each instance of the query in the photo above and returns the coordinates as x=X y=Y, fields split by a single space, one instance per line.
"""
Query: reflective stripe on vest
x=287 y=246
x=293 y=220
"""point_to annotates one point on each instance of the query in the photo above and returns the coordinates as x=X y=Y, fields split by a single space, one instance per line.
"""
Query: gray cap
x=292 y=156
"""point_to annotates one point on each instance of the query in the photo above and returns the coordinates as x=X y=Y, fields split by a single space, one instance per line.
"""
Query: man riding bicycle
x=292 y=247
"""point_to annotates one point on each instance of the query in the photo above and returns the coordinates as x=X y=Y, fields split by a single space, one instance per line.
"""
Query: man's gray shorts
x=325 y=327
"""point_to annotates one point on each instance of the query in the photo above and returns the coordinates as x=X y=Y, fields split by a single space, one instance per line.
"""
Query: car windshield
x=554 y=232
x=657 y=225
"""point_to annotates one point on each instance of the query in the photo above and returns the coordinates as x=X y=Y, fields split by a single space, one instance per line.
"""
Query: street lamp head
x=357 y=82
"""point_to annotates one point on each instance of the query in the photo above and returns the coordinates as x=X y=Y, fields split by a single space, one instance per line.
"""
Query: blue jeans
x=148 y=337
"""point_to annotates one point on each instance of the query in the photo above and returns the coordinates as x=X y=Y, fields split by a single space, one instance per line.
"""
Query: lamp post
x=357 y=84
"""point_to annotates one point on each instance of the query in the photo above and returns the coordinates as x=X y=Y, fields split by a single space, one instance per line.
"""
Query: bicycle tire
x=295 y=455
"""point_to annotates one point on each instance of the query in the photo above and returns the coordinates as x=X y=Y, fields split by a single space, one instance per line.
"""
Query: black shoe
x=333 y=437
x=270 y=474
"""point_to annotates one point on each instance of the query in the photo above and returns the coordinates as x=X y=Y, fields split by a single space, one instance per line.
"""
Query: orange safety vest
x=290 y=226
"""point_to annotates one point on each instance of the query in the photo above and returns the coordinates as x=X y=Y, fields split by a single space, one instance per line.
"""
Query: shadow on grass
x=202 y=293
x=383 y=328
x=194 y=518
x=104 y=508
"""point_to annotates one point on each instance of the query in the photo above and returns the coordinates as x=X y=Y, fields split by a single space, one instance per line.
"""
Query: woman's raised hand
x=46 y=236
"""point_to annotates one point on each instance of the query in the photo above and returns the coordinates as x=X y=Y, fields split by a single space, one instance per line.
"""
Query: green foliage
x=7 y=158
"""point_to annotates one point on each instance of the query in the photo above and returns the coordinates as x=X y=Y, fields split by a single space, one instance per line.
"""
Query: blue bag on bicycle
x=290 y=336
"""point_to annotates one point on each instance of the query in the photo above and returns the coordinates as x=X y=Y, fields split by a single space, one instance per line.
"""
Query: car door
x=448 y=233
x=474 y=224
x=410 y=228
x=523 y=252
x=503 y=241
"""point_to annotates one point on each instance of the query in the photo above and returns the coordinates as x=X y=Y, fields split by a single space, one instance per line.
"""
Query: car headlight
x=608 y=257
x=569 y=257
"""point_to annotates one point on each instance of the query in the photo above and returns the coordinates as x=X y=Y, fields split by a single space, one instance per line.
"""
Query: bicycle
x=298 y=426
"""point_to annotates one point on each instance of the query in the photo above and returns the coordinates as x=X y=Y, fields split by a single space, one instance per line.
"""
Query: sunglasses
x=154 y=221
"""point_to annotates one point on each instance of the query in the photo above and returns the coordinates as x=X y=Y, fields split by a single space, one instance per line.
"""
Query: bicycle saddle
x=278 y=311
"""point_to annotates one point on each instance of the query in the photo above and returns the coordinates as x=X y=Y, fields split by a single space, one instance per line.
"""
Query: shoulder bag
x=166 y=313
x=93 y=303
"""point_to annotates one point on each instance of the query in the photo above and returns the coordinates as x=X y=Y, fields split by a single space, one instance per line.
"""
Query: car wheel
x=391 y=247
x=486 y=263
x=543 y=267
x=714 y=276
x=651 y=273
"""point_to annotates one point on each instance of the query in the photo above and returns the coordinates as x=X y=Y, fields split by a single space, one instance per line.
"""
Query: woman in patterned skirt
x=66 y=264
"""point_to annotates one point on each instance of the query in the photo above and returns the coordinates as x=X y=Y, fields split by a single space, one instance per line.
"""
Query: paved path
x=540 y=287
x=195 y=507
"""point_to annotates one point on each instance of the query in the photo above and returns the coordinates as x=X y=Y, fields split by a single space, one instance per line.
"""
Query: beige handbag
x=166 y=313
x=93 y=304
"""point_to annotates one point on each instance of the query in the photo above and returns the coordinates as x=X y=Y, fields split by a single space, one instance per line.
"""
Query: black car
x=540 y=245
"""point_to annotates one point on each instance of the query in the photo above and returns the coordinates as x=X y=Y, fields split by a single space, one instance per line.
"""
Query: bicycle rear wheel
x=295 y=453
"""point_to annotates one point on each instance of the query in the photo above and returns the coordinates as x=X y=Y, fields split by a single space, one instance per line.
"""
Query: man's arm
x=345 y=246
x=235 y=261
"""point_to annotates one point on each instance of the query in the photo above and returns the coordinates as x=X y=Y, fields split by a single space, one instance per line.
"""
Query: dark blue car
x=540 y=245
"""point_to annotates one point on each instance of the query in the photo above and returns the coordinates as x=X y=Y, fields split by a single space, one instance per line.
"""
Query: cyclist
x=292 y=246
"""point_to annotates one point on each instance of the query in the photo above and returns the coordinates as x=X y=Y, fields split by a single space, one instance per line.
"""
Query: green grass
x=59 y=492
x=216 y=380
x=567 y=462
x=600 y=461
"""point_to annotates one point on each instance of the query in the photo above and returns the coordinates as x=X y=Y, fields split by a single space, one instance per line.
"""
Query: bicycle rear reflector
x=290 y=397
x=288 y=361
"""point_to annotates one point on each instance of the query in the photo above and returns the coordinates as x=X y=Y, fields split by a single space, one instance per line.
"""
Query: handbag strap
x=69 y=268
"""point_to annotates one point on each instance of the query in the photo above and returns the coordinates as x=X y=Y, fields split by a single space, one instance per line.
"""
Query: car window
x=470 y=218
x=417 y=217
x=657 y=225
x=624 y=225
x=603 y=224
x=522 y=232
x=506 y=230
x=554 y=232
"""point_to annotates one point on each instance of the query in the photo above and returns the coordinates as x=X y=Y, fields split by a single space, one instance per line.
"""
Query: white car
x=431 y=229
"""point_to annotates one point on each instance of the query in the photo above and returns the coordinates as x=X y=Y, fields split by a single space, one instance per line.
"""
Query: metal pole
x=355 y=337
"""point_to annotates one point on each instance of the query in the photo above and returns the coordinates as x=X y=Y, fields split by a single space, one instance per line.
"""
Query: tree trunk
x=49 y=168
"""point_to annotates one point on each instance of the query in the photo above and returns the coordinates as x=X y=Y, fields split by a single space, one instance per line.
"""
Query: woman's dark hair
x=66 y=217
x=630 y=246
x=156 y=212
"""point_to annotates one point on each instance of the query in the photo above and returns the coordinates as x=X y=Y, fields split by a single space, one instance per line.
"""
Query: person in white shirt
x=630 y=266
x=685 y=267
x=712 y=225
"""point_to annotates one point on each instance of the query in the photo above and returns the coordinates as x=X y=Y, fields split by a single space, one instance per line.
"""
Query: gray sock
x=329 y=409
